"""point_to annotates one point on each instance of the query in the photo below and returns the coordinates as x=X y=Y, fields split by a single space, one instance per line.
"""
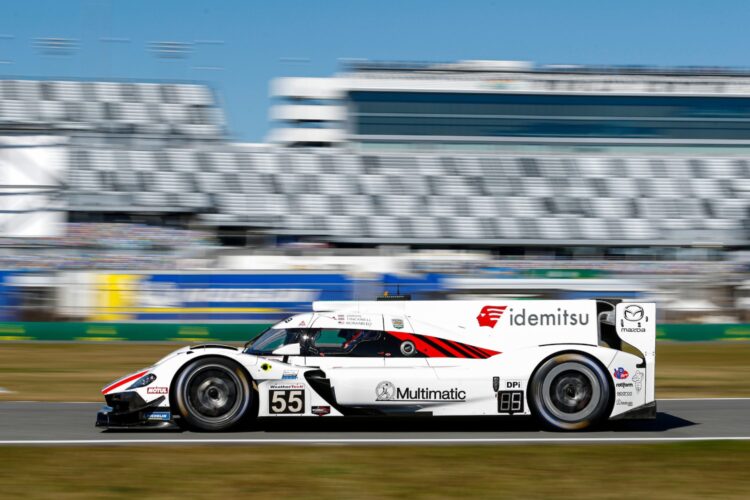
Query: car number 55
x=286 y=401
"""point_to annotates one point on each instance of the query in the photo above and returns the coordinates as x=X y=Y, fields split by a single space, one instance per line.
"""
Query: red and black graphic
x=123 y=381
x=433 y=347
x=490 y=315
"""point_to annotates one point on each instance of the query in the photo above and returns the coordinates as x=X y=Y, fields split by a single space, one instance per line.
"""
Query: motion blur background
x=144 y=178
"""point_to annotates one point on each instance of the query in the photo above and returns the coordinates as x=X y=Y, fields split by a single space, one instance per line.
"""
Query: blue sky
x=266 y=39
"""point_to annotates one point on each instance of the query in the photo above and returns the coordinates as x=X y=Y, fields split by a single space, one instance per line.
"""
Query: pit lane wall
x=241 y=332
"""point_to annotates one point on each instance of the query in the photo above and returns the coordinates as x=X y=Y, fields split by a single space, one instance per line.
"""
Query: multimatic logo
x=386 y=391
x=635 y=317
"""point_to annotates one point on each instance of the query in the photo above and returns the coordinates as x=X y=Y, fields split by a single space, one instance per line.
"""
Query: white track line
x=703 y=399
x=378 y=441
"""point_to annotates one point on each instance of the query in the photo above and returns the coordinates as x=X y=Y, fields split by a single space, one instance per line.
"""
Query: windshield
x=272 y=339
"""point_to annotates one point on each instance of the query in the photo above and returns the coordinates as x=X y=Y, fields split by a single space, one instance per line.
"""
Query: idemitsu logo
x=489 y=315
x=560 y=317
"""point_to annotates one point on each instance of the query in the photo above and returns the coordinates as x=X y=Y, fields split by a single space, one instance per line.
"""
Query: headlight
x=143 y=381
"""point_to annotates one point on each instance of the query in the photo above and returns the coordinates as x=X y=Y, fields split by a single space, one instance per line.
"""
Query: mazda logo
x=633 y=313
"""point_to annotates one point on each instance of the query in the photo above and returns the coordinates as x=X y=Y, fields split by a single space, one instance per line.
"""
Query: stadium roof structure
x=483 y=66
x=478 y=103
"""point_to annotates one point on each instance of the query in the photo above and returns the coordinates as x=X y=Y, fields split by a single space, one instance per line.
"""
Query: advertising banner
x=214 y=297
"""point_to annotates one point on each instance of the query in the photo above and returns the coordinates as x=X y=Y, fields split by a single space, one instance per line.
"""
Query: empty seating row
x=111 y=107
x=344 y=194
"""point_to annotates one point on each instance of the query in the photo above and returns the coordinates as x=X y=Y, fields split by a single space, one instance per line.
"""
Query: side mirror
x=288 y=350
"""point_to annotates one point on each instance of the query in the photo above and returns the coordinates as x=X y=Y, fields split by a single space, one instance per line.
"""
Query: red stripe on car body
x=449 y=345
x=465 y=349
x=422 y=346
x=117 y=384
x=444 y=348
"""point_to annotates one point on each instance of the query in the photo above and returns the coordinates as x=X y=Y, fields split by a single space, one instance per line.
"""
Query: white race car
x=571 y=363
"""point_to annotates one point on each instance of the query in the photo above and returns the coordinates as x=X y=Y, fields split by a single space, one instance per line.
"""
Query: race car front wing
x=127 y=410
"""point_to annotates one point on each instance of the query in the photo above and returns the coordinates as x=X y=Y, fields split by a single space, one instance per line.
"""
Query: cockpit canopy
x=312 y=341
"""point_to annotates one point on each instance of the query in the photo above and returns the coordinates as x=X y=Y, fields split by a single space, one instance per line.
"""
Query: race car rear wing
x=635 y=324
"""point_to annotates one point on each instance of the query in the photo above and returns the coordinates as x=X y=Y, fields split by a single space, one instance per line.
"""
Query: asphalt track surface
x=41 y=423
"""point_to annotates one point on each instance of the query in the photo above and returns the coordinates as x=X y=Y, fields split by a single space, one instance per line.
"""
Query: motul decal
x=434 y=347
x=490 y=315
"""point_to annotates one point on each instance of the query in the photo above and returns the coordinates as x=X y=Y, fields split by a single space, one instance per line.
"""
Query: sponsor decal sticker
x=490 y=315
x=157 y=390
x=320 y=410
x=620 y=373
x=560 y=317
x=633 y=319
x=386 y=391
x=161 y=416
x=287 y=385
x=265 y=366
x=633 y=312
x=621 y=402
x=638 y=380
x=398 y=324
x=289 y=375
x=512 y=384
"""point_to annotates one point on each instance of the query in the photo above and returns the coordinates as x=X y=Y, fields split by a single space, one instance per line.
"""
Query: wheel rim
x=213 y=393
x=571 y=392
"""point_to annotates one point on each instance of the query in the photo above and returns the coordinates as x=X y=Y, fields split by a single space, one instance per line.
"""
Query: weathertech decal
x=433 y=347
x=489 y=315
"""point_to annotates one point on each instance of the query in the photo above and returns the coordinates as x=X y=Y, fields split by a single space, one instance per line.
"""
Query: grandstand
x=442 y=199
x=608 y=197
x=159 y=153
x=133 y=109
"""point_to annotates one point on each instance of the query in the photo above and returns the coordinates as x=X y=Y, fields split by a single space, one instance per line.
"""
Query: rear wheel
x=570 y=392
x=213 y=394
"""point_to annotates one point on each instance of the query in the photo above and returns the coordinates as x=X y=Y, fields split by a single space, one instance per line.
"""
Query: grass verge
x=76 y=372
x=685 y=470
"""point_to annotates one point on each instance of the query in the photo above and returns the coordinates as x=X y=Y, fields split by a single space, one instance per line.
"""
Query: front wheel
x=570 y=392
x=213 y=394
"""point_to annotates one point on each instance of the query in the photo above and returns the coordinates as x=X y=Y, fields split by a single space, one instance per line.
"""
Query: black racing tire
x=570 y=392
x=213 y=394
